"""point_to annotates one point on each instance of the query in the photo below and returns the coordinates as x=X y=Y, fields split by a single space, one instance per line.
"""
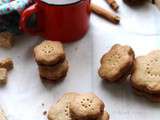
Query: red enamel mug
x=55 y=21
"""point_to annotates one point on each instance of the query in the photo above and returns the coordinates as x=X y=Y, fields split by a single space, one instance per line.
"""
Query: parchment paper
x=25 y=97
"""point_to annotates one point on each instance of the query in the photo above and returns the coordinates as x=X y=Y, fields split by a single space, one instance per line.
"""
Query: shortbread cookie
x=61 y=110
x=49 y=52
x=3 y=75
x=146 y=73
x=105 y=116
x=54 y=72
x=6 y=63
x=2 y=115
x=86 y=107
x=6 y=39
x=116 y=63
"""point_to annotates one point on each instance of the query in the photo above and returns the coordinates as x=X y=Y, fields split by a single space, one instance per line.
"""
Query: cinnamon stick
x=105 y=14
x=113 y=4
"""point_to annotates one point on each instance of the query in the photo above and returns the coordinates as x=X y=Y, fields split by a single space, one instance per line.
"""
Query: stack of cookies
x=51 y=60
x=74 y=106
x=145 y=78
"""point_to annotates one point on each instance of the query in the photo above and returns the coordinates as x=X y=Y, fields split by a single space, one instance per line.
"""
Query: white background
x=24 y=94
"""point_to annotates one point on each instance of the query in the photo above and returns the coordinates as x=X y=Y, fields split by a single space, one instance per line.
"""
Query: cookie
x=105 y=116
x=2 y=115
x=116 y=63
x=146 y=73
x=6 y=63
x=3 y=75
x=54 y=72
x=49 y=53
x=61 y=110
x=6 y=39
x=86 y=106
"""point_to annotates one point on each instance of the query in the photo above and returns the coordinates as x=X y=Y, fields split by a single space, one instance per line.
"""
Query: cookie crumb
x=45 y=112
x=43 y=104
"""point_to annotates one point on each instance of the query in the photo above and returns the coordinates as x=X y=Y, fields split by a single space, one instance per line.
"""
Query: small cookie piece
x=6 y=63
x=146 y=73
x=3 y=75
x=54 y=72
x=86 y=106
x=6 y=39
x=49 y=53
x=2 y=115
x=116 y=63
x=61 y=110
x=105 y=116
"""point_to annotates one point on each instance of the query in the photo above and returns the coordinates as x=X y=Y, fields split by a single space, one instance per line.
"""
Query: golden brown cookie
x=116 y=63
x=86 y=106
x=61 y=111
x=54 y=72
x=146 y=73
x=6 y=63
x=105 y=116
x=49 y=52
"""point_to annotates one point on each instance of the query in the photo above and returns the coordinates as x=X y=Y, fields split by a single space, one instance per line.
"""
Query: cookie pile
x=145 y=78
x=116 y=63
x=51 y=60
x=74 y=106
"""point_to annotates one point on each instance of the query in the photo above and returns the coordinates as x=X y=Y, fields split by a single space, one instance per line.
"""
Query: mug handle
x=26 y=14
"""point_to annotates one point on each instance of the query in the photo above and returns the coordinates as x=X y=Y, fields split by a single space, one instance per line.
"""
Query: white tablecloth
x=24 y=94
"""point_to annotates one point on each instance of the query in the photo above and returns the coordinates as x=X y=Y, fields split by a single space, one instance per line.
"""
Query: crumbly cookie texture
x=54 y=72
x=86 y=106
x=3 y=76
x=116 y=63
x=146 y=73
x=49 y=52
x=6 y=63
x=2 y=115
x=6 y=39
x=61 y=110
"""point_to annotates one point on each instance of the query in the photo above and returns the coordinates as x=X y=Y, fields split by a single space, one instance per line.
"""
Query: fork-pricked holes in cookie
x=148 y=70
x=66 y=110
x=87 y=103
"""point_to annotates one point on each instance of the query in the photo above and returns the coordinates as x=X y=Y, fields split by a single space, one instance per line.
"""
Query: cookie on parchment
x=116 y=63
x=87 y=106
x=61 y=110
x=54 y=72
x=49 y=52
x=146 y=74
